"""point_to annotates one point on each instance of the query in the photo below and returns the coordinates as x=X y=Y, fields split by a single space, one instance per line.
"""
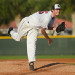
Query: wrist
x=54 y=28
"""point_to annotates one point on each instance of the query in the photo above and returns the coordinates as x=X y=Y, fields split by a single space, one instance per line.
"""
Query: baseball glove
x=61 y=27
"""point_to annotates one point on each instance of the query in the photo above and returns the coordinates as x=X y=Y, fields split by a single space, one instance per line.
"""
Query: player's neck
x=53 y=15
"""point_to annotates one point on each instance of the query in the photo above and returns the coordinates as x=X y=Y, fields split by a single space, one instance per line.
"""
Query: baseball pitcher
x=30 y=26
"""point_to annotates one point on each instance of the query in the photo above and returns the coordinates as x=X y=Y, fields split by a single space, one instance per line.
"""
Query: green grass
x=56 y=56
x=71 y=63
x=39 y=57
x=12 y=57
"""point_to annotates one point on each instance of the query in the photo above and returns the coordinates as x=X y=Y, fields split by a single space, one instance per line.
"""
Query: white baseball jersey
x=41 y=19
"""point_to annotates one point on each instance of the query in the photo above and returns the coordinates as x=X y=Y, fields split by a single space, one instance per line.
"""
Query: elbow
x=42 y=29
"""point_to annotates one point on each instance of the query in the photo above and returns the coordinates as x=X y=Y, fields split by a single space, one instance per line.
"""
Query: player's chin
x=57 y=14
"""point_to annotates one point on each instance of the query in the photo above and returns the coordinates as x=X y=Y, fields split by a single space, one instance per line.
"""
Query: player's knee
x=17 y=39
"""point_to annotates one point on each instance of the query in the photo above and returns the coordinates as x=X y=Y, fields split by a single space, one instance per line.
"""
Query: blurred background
x=12 y=11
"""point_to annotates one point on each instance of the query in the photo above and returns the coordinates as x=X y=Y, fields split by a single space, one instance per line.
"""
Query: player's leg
x=22 y=31
x=31 y=47
x=15 y=35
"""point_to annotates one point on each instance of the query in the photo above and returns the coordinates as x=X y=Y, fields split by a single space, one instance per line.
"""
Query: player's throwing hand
x=49 y=41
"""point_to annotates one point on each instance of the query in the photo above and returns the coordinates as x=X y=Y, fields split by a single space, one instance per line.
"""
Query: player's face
x=57 y=12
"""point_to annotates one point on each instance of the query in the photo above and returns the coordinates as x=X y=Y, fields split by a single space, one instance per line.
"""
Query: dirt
x=42 y=67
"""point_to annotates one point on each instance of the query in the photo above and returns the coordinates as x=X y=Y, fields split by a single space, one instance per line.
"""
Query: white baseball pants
x=32 y=33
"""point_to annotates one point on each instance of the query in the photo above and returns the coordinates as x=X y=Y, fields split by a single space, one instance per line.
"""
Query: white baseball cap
x=56 y=6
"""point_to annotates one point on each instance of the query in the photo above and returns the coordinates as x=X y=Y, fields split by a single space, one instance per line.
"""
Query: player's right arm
x=43 y=30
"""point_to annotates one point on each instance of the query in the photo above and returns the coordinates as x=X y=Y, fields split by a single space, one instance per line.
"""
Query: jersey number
x=41 y=12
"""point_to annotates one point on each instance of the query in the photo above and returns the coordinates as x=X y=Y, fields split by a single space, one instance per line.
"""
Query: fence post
x=73 y=23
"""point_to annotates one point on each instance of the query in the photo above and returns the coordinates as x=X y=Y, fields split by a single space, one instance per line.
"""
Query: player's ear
x=52 y=10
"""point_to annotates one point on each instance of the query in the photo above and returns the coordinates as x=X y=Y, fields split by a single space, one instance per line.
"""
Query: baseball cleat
x=31 y=66
x=10 y=29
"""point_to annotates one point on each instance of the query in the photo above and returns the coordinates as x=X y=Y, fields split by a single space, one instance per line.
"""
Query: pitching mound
x=42 y=67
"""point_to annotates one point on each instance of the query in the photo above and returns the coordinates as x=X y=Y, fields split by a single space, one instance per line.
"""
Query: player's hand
x=61 y=27
x=49 y=41
x=54 y=28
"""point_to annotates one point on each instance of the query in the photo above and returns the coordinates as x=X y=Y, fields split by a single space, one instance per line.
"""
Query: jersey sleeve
x=51 y=22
